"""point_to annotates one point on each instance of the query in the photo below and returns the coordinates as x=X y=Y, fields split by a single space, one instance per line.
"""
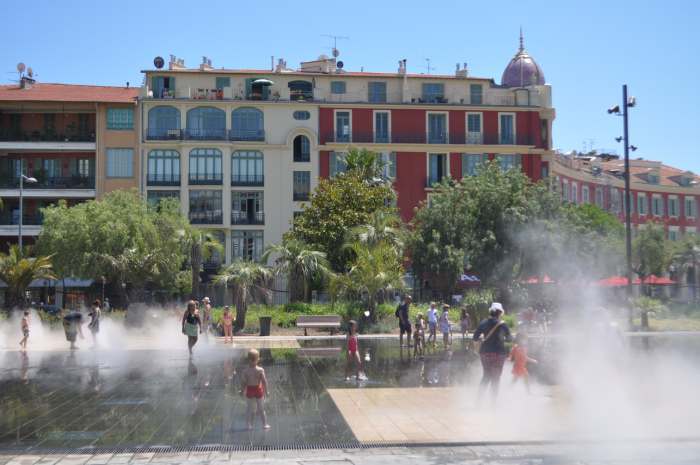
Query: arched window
x=302 y=148
x=247 y=168
x=163 y=123
x=206 y=123
x=163 y=168
x=205 y=167
x=300 y=89
x=247 y=124
x=217 y=258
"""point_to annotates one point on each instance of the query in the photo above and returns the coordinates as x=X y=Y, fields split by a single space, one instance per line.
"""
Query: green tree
x=18 y=271
x=366 y=163
x=382 y=227
x=200 y=244
x=336 y=206
x=243 y=277
x=649 y=254
x=647 y=305
x=117 y=237
x=686 y=256
x=300 y=263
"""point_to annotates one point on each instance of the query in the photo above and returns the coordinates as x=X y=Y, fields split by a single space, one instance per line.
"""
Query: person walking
x=94 y=325
x=208 y=319
x=432 y=324
x=492 y=350
x=227 y=320
x=191 y=321
x=106 y=308
x=404 y=322
x=24 y=326
x=73 y=327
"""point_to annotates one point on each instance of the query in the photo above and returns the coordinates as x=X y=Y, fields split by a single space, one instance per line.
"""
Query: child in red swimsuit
x=253 y=382
x=352 y=351
x=519 y=354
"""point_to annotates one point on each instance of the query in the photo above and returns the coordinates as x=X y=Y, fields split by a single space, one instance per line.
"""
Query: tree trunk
x=196 y=262
x=121 y=292
x=241 y=308
x=645 y=319
x=372 y=307
x=296 y=284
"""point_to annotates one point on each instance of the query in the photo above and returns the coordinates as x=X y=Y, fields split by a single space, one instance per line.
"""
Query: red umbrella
x=652 y=279
x=534 y=280
x=612 y=281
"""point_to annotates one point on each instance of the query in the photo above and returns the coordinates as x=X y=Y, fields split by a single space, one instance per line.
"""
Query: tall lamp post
x=22 y=178
x=628 y=218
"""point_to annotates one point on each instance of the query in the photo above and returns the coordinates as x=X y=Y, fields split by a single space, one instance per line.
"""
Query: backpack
x=398 y=311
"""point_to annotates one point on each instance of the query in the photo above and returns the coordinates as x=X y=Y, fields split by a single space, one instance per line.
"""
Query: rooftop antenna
x=335 y=43
x=427 y=66
x=20 y=70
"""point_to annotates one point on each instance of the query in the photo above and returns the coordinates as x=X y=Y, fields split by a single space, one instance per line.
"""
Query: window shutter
x=677 y=205
x=517 y=161
x=248 y=86
x=695 y=208
x=3 y=163
x=154 y=87
x=57 y=168
x=172 y=84
x=266 y=92
x=484 y=158
x=441 y=90
x=465 y=164
x=370 y=92
x=382 y=90
x=91 y=165
x=38 y=165
x=392 y=166
x=425 y=91
x=222 y=82
x=333 y=164
x=342 y=87
x=25 y=164
x=73 y=165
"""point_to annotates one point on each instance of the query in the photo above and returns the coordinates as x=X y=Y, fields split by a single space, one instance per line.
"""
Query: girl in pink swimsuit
x=227 y=320
x=352 y=351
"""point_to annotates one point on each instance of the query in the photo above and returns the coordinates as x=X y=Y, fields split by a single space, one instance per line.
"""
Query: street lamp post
x=628 y=214
x=22 y=177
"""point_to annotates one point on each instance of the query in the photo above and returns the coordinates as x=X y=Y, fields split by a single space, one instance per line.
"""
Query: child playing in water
x=25 y=329
x=466 y=322
x=227 y=320
x=519 y=353
x=351 y=341
x=446 y=325
x=254 y=382
x=418 y=336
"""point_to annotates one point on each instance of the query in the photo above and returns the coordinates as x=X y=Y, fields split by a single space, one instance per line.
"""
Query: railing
x=248 y=135
x=206 y=179
x=27 y=220
x=301 y=197
x=247 y=179
x=58 y=135
x=422 y=98
x=205 y=134
x=247 y=218
x=508 y=100
x=365 y=137
x=205 y=218
x=386 y=97
x=346 y=97
x=163 y=180
x=163 y=134
x=302 y=157
x=74 y=182
x=120 y=126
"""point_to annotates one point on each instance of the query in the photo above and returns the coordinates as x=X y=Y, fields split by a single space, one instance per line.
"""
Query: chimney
x=27 y=83
x=462 y=73
x=173 y=58
x=175 y=63
x=402 y=70
x=206 y=64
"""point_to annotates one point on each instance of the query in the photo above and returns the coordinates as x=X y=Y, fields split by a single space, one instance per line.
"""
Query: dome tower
x=521 y=69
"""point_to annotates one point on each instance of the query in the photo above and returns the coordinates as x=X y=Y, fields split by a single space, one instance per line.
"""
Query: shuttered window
x=120 y=163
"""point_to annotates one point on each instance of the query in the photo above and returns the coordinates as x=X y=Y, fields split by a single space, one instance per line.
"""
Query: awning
x=652 y=279
x=70 y=282
x=263 y=82
x=612 y=281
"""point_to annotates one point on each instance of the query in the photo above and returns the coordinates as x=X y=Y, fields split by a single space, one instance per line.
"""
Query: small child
x=418 y=336
x=466 y=322
x=351 y=341
x=519 y=353
x=420 y=321
x=25 y=329
x=446 y=325
x=253 y=382
x=227 y=320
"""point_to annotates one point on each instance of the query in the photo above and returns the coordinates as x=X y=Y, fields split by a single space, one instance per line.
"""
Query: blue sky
x=587 y=50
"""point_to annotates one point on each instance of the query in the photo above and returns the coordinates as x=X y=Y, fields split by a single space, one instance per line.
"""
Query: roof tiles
x=46 y=92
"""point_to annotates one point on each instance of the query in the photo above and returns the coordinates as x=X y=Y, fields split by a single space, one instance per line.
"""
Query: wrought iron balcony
x=206 y=179
x=301 y=197
x=205 y=218
x=302 y=157
x=27 y=220
x=469 y=138
x=120 y=126
x=163 y=134
x=205 y=134
x=247 y=218
x=247 y=180
x=47 y=135
x=74 y=182
x=163 y=180
x=248 y=135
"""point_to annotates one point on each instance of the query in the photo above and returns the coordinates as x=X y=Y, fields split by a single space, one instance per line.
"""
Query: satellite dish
x=158 y=62
x=340 y=65
x=30 y=73
x=323 y=58
x=20 y=67
x=336 y=53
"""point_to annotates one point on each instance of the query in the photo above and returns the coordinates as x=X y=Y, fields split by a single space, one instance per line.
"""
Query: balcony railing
x=368 y=137
x=163 y=180
x=205 y=134
x=206 y=218
x=214 y=179
x=27 y=220
x=74 y=182
x=301 y=196
x=247 y=218
x=58 y=135
x=248 y=135
x=301 y=157
x=120 y=126
x=247 y=180
x=163 y=134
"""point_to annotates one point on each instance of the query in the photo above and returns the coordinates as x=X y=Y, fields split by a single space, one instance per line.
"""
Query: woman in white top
x=432 y=324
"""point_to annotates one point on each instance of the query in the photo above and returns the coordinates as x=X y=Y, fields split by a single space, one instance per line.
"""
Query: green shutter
x=465 y=164
x=425 y=91
x=91 y=164
x=73 y=166
x=342 y=87
x=266 y=92
x=57 y=168
x=382 y=90
x=333 y=164
x=517 y=161
x=154 y=86
x=25 y=164
x=484 y=158
x=678 y=207
x=172 y=84
x=441 y=90
x=370 y=92
x=248 y=86
x=392 y=166
x=695 y=208
x=222 y=82
x=38 y=165
x=3 y=163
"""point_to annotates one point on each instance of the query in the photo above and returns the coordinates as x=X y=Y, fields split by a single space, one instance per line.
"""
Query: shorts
x=71 y=331
x=254 y=392
x=405 y=328
x=25 y=331
x=432 y=325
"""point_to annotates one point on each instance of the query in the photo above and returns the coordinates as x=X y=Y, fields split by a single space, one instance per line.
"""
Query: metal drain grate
x=234 y=448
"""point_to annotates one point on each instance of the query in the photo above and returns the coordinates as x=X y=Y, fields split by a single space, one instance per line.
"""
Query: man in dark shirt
x=404 y=322
x=72 y=325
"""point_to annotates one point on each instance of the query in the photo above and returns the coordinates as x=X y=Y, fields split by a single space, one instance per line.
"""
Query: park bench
x=318 y=321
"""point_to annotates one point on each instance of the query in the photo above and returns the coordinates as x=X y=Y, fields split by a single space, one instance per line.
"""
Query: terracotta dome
x=520 y=70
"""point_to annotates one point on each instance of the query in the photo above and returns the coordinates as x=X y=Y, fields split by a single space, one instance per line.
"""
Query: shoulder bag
x=479 y=344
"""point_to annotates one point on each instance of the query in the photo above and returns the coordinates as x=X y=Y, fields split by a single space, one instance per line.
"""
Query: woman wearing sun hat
x=492 y=350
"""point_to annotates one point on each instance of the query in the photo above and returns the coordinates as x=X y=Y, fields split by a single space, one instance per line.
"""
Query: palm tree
x=301 y=263
x=381 y=228
x=243 y=276
x=200 y=244
x=18 y=271
x=366 y=163
x=686 y=255
x=647 y=304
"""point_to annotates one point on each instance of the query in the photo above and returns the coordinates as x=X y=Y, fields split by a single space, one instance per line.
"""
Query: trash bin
x=265 y=322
